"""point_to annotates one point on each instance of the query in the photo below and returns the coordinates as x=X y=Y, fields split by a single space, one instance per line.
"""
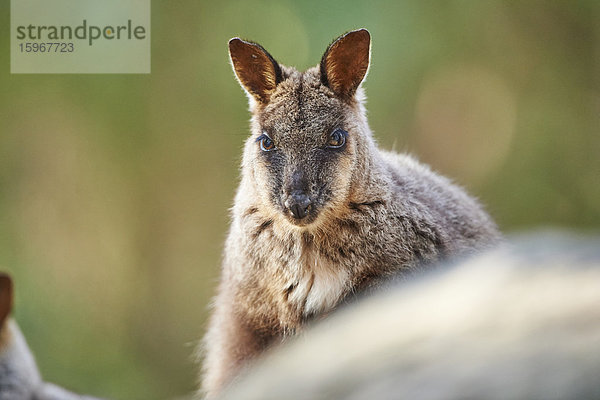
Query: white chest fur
x=319 y=285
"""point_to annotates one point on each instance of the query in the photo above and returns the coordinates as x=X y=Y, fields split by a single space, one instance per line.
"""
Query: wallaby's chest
x=291 y=278
x=316 y=285
x=292 y=275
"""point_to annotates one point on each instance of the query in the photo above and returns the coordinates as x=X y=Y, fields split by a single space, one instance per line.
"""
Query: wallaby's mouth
x=300 y=216
x=302 y=222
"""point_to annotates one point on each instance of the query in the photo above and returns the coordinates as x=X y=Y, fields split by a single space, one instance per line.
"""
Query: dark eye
x=337 y=138
x=266 y=143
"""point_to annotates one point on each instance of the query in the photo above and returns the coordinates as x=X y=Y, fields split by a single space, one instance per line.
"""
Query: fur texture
x=315 y=222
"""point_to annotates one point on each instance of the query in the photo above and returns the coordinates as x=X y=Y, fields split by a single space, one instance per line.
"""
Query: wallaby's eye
x=337 y=138
x=266 y=143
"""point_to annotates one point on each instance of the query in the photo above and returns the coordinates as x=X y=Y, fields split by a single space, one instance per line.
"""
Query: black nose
x=298 y=204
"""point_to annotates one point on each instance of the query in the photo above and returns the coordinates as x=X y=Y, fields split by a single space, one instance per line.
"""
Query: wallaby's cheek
x=336 y=172
x=268 y=173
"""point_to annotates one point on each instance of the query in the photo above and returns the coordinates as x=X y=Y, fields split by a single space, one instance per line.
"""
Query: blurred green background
x=115 y=189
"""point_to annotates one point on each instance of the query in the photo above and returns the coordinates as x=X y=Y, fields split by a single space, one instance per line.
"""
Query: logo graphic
x=80 y=36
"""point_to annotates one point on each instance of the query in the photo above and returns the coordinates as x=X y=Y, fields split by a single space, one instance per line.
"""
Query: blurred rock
x=520 y=322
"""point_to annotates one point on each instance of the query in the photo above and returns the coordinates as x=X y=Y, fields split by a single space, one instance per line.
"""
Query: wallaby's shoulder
x=423 y=194
x=408 y=177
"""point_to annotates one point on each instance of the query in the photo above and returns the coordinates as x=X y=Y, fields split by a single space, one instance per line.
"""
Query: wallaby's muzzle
x=299 y=204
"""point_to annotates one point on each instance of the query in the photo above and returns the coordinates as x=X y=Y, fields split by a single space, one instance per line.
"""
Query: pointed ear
x=345 y=63
x=256 y=70
x=6 y=297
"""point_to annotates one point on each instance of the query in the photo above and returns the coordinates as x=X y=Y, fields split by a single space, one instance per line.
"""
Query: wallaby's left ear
x=345 y=63
x=256 y=70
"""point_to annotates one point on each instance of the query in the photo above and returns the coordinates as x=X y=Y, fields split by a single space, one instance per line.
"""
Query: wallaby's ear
x=256 y=70
x=6 y=297
x=345 y=63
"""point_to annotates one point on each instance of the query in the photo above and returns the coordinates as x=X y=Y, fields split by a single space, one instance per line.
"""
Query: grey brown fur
x=371 y=214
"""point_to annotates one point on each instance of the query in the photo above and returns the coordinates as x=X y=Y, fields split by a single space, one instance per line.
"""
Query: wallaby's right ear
x=254 y=67
x=346 y=62
x=6 y=297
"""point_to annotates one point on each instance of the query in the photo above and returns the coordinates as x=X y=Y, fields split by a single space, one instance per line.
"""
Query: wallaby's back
x=463 y=224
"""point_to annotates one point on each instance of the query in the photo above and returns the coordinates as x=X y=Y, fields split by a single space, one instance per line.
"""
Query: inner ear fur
x=345 y=63
x=254 y=67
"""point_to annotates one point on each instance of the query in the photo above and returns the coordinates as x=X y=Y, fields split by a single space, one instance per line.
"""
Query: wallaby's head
x=309 y=137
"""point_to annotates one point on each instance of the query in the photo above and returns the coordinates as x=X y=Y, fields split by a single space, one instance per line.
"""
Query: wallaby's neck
x=369 y=182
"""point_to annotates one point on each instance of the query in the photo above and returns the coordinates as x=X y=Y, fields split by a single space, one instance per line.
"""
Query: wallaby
x=20 y=378
x=321 y=214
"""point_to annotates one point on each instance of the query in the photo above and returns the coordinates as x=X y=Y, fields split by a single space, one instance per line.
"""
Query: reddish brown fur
x=6 y=302
x=346 y=62
x=255 y=67
x=6 y=297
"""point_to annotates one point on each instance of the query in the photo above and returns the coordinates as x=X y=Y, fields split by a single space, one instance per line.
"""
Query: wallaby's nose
x=298 y=204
